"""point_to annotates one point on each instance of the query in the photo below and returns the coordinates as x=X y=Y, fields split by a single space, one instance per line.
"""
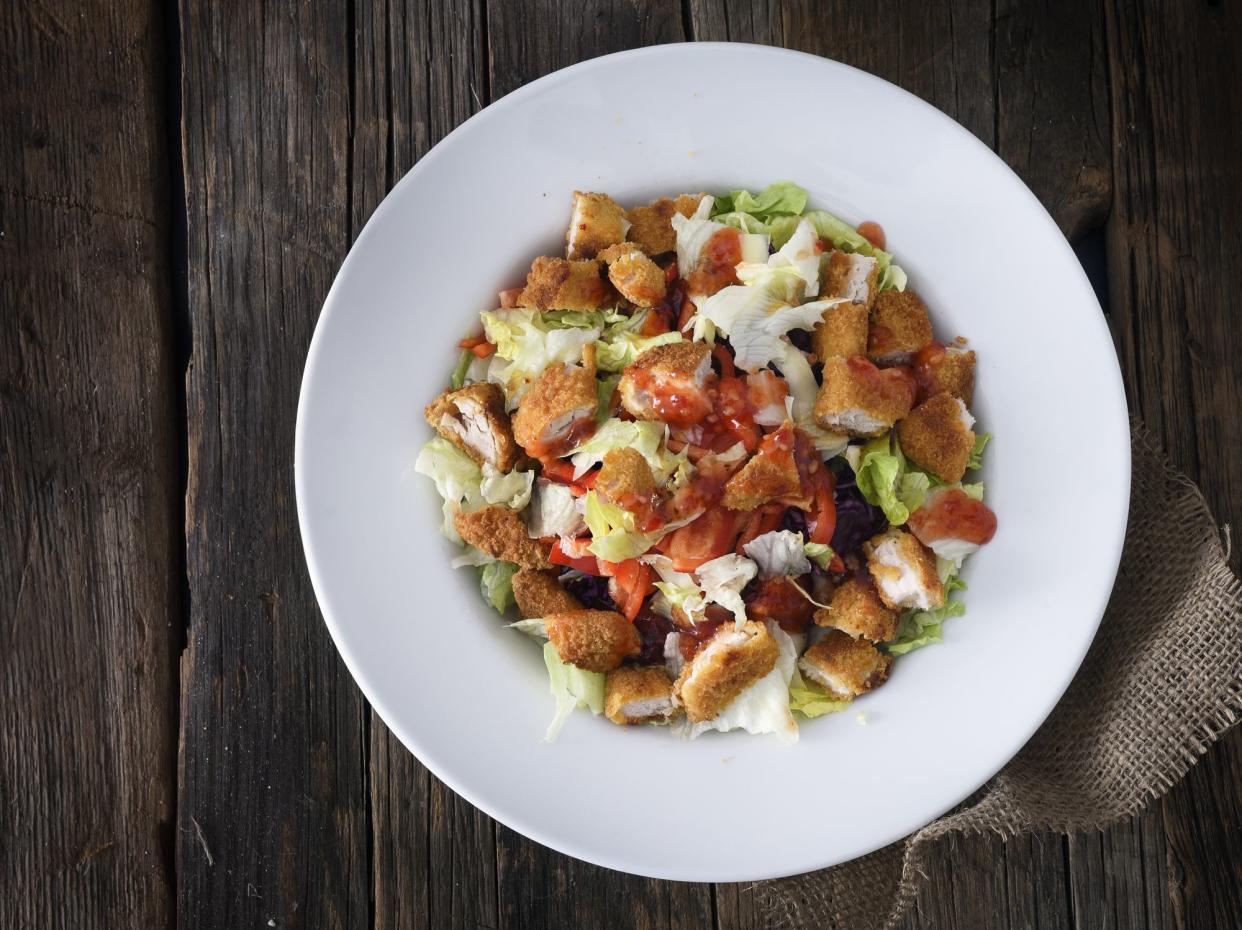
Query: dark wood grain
x=272 y=820
x=88 y=471
x=1173 y=245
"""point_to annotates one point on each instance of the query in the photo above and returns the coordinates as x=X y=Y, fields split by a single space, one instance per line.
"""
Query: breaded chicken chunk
x=937 y=436
x=557 y=412
x=856 y=608
x=636 y=277
x=557 y=284
x=844 y=666
x=625 y=479
x=671 y=383
x=639 y=695
x=952 y=523
x=860 y=399
x=651 y=227
x=945 y=370
x=904 y=571
x=899 y=327
x=847 y=274
x=593 y=640
x=538 y=594
x=597 y=221
x=733 y=659
x=500 y=533
x=473 y=418
x=843 y=331
x=771 y=474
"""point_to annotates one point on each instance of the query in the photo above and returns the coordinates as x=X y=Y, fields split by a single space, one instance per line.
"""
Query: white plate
x=471 y=699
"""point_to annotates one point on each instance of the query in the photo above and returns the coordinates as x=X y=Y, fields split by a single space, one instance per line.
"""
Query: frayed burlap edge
x=1161 y=683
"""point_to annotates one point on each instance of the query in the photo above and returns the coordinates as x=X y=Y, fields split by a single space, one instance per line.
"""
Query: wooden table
x=179 y=742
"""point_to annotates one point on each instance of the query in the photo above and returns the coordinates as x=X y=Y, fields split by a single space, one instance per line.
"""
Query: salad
x=715 y=459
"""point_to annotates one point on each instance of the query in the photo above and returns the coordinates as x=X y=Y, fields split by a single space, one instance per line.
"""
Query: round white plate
x=470 y=699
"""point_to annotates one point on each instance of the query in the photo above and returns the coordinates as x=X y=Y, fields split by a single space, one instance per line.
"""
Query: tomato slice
x=588 y=564
x=633 y=582
x=755 y=523
x=822 y=520
x=709 y=536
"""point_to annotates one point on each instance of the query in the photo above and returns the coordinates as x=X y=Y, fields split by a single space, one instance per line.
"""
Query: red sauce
x=953 y=514
x=715 y=268
x=694 y=637
x=777 y=599
x=894 y=382
x=577 y=433
x=873 y=232
x=926 y=361
x=676 y=401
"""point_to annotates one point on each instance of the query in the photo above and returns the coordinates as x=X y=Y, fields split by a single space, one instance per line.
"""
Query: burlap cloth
x=1161 y=682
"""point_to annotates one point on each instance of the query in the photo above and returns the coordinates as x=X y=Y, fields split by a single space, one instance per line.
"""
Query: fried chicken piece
x=596 y=222
x=538 y=594
x=635 y=276
x=732 y=660
x=848 y=274
x=860 y=399
x=899 y=327
x=473 y=418
x=639 y=695
x=500 y=533
x=651 y=227
x=855 y=608
x=945 y=370
x=593 y=640
x=625 y=479
x=557 y=412
x=774 y=473
x=557 y=284
x=842 y=331
x=904 y=571
x=937 y=436
x=670 y=383
x=844 y=666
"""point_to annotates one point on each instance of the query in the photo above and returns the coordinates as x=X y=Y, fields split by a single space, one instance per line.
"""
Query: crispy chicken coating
x=639 y=695
x=899 y=327
x=860 y=399
x=557 y=412
x=557 y=284
x=843 y=331
x=593 y=640
x=651 y=226
x=625 y=479
x=904 y=571
x=937 y=436
x=473 y=418
x=844 y=666
x=771 y=474
x=848 y=274
x=855 y=608
x=538 y=594
x=671 y=383
x=948 y=370
x=597 y=221
x=731 y=661
x=635 y=276
x=500 y=533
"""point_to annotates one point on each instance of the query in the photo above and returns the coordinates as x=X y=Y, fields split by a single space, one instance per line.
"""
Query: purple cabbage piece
x=794 y=520
x=857 y=521
x=592 y=591
x=652 y=631
x=801 y=339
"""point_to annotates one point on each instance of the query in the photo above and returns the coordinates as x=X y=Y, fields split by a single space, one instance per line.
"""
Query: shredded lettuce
x=885 y=479
x=647 y=436
x=572 y=688
x=974 y=490
x=535 y=628
x=458 y=377
x=529 y=342
x=472 y=557
x=777 y=199
x=496 y=583
x=676 y=589
x=722 y=580
x=801 y=254
x=456 y=477
x=621 y=342
x=810 y=700
x=779 y=552
x=819 y=553
x=800 y=378
x=918 y=628
x=604 y=389
x=553 y=511
x=976 y=454
x=512 y=489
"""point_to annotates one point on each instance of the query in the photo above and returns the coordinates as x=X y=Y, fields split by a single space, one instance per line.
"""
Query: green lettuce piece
x=496 y=582
x=974 y=490
x=572 y=688
x=918 y=628
x=976 y=454
x=819 y=553
x=530 y=342
x=604 y=389
x=885 y=479
x=613 y=537
x=743 y=221
x=456 y=476
x=458 y=377
x=777 y=199
x=810 y=700
x=647 y=436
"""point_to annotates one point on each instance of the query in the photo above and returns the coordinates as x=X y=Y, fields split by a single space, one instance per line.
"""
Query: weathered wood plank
x=273 y=805
x=1175 y=235
x=1126 y=897
x=88 y=471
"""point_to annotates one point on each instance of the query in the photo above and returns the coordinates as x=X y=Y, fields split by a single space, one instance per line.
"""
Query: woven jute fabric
x=1161 y=682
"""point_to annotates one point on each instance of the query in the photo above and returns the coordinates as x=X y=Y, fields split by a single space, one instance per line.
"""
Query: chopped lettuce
x=527 y=343
x=722 y=580
x=647 y=436
x=693 y=234
x=621 y=342
x=676 y=589
x=458 y=377
x=604 y=389
x=777 y=199
x=496 y=582
x=572 y=688
x=553 y=511
x=819 y=553
x=511 y=489
x=535 y=628
x=801 y=254
x=472 y=557
x=974 y=490
x=976 y=454
x=456 y=477
x=918 y=628
x=885 y=479
x=810 y=700
x=779 y=552
x=763 y=707
x=800 y=379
